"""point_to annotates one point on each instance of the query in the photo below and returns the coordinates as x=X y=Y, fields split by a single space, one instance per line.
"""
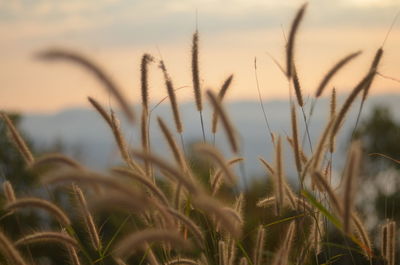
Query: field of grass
x=150 y=210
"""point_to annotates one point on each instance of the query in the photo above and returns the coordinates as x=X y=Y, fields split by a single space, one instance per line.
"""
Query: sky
x=115 y=34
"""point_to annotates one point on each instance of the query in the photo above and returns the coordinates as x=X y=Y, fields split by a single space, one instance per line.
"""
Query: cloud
x=123 y=22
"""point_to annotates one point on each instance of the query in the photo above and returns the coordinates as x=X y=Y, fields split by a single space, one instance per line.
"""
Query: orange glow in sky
x=116 y=34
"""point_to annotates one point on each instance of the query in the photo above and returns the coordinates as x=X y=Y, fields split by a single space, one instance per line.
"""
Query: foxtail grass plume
x=193 y=228
x=146 y=59
x=88 y=218
x=9 y=192
x=93 y=68
x=332 y=115
x=384 y=241
x=119 y=138
x=389 y=246
x=282 y=256
x=215 y=180
x=18 y=140
x=8 y=249
x=225 y=120
x=303 y=156
x=296 y=145
x=351 y=175
x=297 y=87
x=213 y=208
x=172 y=98
x=195 y=71
x=331 y=73
x=175 y=174
x=42 y=204
x=144 y=131
x=373 y=70
x=278 y=177
x=176 y=151
x=181 y=261
x=243 y=261
x=366 y=245
x=144 y=181
x=73 y=255
x=101 y=111
x=222 y=253
x=56 y=160
x=221 y=96
x=259 y=246
x=291 y=40
x=325 y=186
x=217 y=157
x=48 y=236
x=135 y=241
x=349 y=101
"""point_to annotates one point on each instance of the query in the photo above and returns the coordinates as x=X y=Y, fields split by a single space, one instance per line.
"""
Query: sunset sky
x=115 y=33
